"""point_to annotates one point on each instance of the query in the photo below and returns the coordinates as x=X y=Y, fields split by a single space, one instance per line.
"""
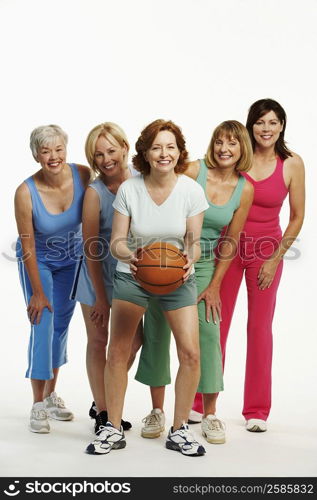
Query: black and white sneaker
x=182 y=440
x=108 y=438
x=101 y=420
x=104 y=418
x=93 y=410
x=126 y=426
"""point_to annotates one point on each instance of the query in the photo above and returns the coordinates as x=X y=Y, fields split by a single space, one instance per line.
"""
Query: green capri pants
x=154 y=362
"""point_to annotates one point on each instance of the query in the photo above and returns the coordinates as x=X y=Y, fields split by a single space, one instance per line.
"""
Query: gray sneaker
x=154 y=424
x=213 y=429
x=55 y=408
x=38 y=419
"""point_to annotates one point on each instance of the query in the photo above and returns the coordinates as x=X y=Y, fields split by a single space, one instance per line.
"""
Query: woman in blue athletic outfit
x=107 y=150
x=48 y=208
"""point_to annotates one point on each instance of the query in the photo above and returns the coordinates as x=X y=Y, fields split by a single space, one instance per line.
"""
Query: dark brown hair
x=260 y=108
x=146 y=140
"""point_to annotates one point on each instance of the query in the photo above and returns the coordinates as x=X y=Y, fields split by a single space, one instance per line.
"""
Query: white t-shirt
x=151 y=222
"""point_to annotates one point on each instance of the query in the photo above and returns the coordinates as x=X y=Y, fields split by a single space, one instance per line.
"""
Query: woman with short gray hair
x=48 y=207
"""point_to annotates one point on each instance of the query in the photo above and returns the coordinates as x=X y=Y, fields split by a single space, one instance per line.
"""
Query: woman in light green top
x=230 y=197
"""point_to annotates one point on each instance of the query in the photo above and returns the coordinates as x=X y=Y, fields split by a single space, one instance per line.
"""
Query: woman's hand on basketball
x=37 y=303
x=266 y=273
x=188 y=267
x=133 y=261
x=211 y=296
x=100 y=312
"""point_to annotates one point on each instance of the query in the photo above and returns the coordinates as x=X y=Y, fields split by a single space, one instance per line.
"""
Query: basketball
x=160 y=267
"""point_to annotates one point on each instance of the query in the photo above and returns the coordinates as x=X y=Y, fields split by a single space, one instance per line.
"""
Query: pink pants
x=261 y=305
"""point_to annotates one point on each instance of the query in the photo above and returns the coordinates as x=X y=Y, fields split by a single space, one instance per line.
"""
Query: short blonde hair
x=45 y=134
x=235 y=129
x=113 y=133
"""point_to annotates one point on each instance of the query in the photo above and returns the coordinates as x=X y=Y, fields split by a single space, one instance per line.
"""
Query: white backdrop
x=198 y=62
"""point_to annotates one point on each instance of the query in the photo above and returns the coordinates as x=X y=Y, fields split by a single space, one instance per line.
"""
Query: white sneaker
x=154 y=424
x=38 y=419
x=194 y=417
x=183 y=441
x=256 y=425
x=109 y=438
x=55 y=408
x=213 y=429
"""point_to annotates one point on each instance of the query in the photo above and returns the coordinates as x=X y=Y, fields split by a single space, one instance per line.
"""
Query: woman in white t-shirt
x=161 y=204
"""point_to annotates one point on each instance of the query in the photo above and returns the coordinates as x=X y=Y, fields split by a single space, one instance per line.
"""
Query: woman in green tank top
x=229 y=196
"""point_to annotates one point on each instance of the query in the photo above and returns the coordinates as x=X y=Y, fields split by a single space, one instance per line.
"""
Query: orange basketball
x=160 y=267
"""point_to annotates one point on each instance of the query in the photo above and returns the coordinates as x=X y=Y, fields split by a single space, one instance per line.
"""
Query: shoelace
x=187 y=435
x=101 y=420
x=105 y=429
x=39 y=414
x=58 y=402
x=151 y=419
x=216 y=424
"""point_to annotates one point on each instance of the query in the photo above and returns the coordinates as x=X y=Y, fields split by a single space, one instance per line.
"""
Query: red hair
x=146 y=140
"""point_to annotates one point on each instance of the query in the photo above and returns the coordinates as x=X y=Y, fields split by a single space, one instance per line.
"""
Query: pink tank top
x=269 y=194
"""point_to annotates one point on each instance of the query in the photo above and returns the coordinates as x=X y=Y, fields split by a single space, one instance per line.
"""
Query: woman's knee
x=189 y=356
x=118 y=355
x=97 y=339
x=97 y=345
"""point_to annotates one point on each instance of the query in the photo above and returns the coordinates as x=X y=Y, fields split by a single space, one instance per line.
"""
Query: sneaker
x=194 y=417
x=55 y=408
x=256 y=425
x=108 y=438
x=38 y=419
x=213 y=429
x=101 y=420
x=126 y=426
x=182 y=440
x=93 y=410
x=154 y=424
x=93 y=414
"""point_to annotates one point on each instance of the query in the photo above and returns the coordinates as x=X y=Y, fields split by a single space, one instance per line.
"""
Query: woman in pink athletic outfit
x=276 y=171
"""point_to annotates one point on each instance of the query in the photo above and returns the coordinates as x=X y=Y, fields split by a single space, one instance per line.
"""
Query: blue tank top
x=105 y=227
x=58 y=237
x=216 y=217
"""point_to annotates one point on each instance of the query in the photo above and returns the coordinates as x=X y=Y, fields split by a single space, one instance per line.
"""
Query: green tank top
x=216 y=217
